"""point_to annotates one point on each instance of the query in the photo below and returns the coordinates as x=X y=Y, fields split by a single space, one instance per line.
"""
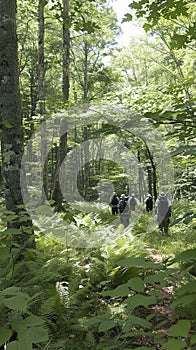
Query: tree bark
x=41 y=94
x=62 y=151
x=11 y=120
x=66 y=51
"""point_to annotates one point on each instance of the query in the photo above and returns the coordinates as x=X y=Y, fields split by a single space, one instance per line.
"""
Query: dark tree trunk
x=41 y=94
x=149 y=177
x=62 y=151
x=85 y=92
x=11 y=119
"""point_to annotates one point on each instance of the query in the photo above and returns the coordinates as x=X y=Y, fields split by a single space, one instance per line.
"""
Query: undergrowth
x=134 y=291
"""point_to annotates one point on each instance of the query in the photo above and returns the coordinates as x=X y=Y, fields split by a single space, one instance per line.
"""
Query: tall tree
x=41 y=92
x=66 y=51
x=11 y=116
x=62 y=149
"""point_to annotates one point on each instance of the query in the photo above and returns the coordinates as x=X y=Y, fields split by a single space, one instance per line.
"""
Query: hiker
x=124 y=210
x=114 y=200
x=132 y=202
x=163 y=212
x=149 y=203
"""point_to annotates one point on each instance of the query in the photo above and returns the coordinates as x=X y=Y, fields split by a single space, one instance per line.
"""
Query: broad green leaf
x=158 y=277
x=120 y=291
x=5 y=335
x=11 y=291
x=138 y=300
x=33 y=335
x=136 y=283
x=176 y=344
x=4 y=253
x=181 y=329
x=187 y=255
x=14 y=345
x=18 y=302
x=12 y=231
x=11 y=217
x=185 y=300
x=193 y=339
x=106 y=325
x=93 y=321
x=33 y=321
x=136 y=321
x=140 y=262
x=24 y=324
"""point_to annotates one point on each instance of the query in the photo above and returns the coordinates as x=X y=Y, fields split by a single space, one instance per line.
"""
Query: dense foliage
x=123 y=120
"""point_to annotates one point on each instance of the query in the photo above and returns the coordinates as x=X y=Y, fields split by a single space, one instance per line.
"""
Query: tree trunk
x=62 y=150
x=85 y=92
x=11 y=119
x=41 y=94
x=66 y=51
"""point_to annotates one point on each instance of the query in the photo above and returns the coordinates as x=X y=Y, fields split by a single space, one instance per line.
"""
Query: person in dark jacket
x=124 y=210
x=114 y=201
x=149 y=203
x=163 y=212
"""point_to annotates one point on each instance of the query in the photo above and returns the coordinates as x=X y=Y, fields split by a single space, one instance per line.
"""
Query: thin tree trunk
x=85 y=92
x=86 y=162
x=11 y=119
x=66 y=51
x=62 y=151
x=41 y=95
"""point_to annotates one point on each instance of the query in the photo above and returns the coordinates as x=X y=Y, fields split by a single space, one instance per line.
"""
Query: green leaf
x=18 y=302
x=187 y=255
x=193 y=339
x=184 y=301
x=4 y=253
x=11 y=291
x=176 y=344
x=189 y=288
x=93 y=321
x=33 y=321
x=136 y=321
x=181 y=329
x=6 y=124
x=140 y=262
x=14 y=345
x=140 y=300
x=136 y=283
x=5 y=335
x=12 y=231
x=106 y=325
x=158 y=277
x=127 y=18
x=120 y=291
x=33 y=335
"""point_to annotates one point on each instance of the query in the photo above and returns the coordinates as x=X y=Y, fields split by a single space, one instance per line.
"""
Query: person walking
x=163 y=212
x=149 y=203
x=124 y=210
x=132 y=202
x=114 y=200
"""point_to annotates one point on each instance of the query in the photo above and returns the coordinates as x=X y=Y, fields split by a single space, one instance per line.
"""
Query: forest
x=82 y=117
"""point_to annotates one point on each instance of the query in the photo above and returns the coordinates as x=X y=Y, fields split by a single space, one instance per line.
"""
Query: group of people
x=124 y=205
